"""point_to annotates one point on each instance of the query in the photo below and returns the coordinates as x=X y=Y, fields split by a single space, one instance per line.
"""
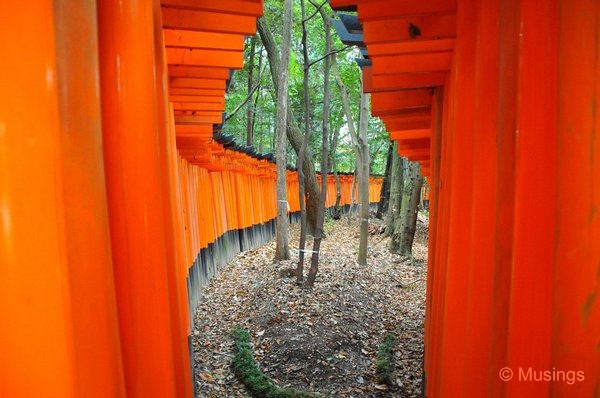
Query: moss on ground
x=385 y=359
x=257 y=383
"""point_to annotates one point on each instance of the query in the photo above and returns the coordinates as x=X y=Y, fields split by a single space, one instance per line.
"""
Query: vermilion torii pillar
x=136 y=197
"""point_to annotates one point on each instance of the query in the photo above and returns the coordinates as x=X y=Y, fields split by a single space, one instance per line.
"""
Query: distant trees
x=262 y=106
x=254 y=82
x=409 y=218
x=297 y=102
x=396 y=189
x=404 y=206
x=384 y=196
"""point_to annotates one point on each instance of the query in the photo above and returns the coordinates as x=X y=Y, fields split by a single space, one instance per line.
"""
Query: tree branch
x=328 y=54
x=245 y=101
x=316 y=12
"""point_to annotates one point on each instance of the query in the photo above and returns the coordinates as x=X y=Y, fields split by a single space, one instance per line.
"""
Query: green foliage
x=328 y=225
x=385 y=359
x=265 y=110
x=259 y=384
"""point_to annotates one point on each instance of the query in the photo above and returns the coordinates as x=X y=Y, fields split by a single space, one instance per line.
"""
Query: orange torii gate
x=117 y=198
x=499 y=101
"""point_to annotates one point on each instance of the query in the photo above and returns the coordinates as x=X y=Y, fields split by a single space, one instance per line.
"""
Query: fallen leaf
x=329 y=333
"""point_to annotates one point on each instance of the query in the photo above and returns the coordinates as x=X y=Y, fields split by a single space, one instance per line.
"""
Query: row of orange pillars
x=119 y=197
x=499 y=100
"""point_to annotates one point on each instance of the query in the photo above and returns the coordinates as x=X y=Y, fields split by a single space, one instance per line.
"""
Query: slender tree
x=250 y=109
x=258 y=83
x=306 y=138
x=361 y=150
x=409 y=220
x=336 y=214
x=282 y=250
x=363 y=180
x=384 y=197
x=350 y=124
x=401 y=193
x=314 y=264
x=396 y=188
x=294 y=132
x=352 y=194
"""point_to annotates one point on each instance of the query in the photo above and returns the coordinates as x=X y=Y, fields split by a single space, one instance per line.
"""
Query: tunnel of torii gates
x=119 y=196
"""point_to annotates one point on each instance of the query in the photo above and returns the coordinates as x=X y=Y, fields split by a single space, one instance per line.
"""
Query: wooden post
x=481 y=260
x=452 y=360
x=576 y=281
x=58 y=301
x=530 y=306
x=169 y=185
x=136 y=197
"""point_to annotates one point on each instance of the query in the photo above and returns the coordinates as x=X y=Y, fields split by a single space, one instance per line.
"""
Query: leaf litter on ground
x=324 y=339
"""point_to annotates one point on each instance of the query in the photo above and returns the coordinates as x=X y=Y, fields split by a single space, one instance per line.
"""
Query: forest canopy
x=251 y=99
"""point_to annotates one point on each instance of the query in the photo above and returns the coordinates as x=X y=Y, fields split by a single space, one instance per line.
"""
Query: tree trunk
x=336 y=212
x=396 y=187
x=293 y=130
x=250 y=109
x=259 y=117
x=300 y=160
x=361 y=149
x=398 y=218
x=384 y=198
x=282 y=250
x=409 y=222
x=351 y=129
x=409 y=209
x=255 y=114
x=314 y=263
x=363 y=182
x=352 y=190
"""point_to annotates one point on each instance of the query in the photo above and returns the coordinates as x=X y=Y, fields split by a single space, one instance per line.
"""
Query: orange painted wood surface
x=407 y=81
x=513 y=238
x=56 y=303
x=412 y=63
x=410 y=134
x=373 y=10
x=210 y=21
x=576 y=282
x=235 y=7
x=135 y=197
x=203 y=40
x=205 y=72
x=207 y=58
x=396 y=29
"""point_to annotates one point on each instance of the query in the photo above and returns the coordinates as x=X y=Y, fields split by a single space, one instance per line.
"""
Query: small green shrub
x=385 y=359
x=259 y=384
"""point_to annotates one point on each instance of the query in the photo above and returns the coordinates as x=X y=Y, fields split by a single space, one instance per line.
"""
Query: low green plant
x=328 y=226
x=385 y=359
x=257 y=383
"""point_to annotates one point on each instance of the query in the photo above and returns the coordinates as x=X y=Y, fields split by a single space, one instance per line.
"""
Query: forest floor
x=323 y=340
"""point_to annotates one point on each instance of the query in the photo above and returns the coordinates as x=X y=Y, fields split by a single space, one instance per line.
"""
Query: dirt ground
x=325 y=339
